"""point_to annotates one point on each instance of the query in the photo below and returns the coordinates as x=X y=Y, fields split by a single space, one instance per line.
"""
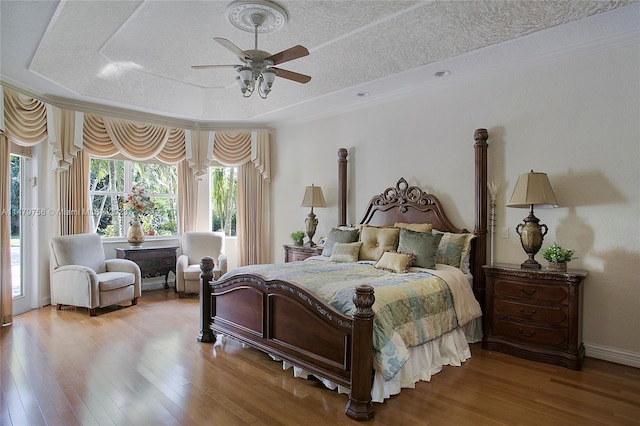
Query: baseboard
x=612 y=354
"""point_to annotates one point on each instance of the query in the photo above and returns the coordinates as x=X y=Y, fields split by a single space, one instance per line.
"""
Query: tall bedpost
x=206 y=334
x=359 y=406
x=480 y=257
x=342 y=187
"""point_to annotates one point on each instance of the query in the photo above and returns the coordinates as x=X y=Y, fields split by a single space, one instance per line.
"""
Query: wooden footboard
x=294 y=325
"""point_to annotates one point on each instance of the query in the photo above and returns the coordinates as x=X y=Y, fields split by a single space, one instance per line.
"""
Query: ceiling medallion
x=242 y=14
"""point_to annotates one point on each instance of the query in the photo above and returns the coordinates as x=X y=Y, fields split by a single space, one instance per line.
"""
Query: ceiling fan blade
x=290 y=54
x=232 y=47
x=294 y=76
x=202 y=67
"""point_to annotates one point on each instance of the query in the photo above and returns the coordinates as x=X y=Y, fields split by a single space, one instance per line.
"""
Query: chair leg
x=134 y=301
x=59 y=306
x=93 y=312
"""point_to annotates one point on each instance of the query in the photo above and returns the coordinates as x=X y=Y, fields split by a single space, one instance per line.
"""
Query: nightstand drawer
x=294 y=253
x=296 y=256
x=536 y=313
x=524 y=290
x=552 y=337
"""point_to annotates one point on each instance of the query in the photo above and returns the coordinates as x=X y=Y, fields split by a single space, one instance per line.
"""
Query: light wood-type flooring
x=142 y=365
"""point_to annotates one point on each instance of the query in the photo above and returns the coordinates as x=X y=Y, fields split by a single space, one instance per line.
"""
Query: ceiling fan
x=257 y=71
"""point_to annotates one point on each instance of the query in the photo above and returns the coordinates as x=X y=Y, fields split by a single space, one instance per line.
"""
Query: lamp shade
x=313 y=197
x=533 y=189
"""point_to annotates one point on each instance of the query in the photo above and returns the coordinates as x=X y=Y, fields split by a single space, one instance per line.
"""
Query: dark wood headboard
x=405 y=203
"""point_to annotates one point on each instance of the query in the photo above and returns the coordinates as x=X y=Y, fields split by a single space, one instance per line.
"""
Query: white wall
x=575 y=119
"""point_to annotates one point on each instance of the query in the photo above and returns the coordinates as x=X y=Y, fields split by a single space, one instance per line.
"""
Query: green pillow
x=422 y=245
x=453 y=249
x=339 y=236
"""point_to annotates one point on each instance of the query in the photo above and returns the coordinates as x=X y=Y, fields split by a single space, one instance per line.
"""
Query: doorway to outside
x=19 y=291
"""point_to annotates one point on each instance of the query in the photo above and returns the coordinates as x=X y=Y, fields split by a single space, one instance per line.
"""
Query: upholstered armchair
x=81 y=276
x=195 y=246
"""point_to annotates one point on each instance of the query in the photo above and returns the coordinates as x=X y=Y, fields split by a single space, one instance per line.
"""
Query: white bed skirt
x=424 y=361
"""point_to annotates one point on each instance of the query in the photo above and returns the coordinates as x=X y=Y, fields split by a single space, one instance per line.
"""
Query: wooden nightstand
x=294 y=253
x=535 y=314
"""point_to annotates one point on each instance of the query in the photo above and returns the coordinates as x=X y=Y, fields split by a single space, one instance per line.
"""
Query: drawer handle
x=528 y=292
x=530 y=313
x=527 y=333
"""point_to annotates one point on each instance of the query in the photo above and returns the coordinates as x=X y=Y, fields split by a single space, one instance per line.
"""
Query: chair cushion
x=197 y=245
x=79 y=249
x=114 y=280
x=192 y=272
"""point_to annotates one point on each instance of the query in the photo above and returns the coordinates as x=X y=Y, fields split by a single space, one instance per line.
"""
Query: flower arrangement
x=557 y=254
x=137 y=200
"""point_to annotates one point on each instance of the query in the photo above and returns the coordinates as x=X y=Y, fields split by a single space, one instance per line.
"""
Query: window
x=16 y=219
x=224 y=190
x=111 y=180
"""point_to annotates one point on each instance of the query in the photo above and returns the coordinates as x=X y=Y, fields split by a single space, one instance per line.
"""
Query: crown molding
x=124 y=113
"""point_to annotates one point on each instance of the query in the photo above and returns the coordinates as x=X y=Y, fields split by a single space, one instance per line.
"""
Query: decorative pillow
x=417 y=227
x=422 y=245
x=394 y=262
x=453 y=248
x=376 y=241
x=339 y=236
x=345 y=252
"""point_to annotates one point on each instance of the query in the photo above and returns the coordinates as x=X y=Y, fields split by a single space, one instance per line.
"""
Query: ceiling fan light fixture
x=267 y=78
x=245 y=74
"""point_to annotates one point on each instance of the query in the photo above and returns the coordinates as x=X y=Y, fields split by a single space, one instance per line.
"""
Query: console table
x=153 y=261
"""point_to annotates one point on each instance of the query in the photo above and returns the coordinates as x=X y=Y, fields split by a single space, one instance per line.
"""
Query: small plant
x=557 y=254
x=297 y=237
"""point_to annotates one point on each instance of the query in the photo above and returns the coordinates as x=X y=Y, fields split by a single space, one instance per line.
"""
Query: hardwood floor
x=142 y=365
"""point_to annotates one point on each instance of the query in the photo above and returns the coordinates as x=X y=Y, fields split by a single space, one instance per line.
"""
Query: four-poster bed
x=292 y=323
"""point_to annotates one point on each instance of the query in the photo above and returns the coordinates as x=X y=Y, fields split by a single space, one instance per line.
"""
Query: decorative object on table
x=493 y=187
x=297 y=237
x=557 y=257
x=532 y=189
x=137 y=202
x=312 y=198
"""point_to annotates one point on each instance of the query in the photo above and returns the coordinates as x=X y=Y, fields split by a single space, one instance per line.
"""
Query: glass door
x=19 y=290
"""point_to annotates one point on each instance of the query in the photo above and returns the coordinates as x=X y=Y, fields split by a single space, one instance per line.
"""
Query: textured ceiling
x=138 y=54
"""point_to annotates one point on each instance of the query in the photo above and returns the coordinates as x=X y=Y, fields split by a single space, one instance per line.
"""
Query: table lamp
x=532 y=189
x=312 y=198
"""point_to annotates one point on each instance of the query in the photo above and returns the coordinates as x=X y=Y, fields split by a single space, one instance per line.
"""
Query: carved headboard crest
x=402 y=194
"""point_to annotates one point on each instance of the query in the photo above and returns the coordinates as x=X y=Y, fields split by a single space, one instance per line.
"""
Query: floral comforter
x=410 y=309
